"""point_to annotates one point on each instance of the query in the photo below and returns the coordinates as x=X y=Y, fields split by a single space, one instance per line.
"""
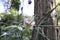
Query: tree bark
x=41 y=8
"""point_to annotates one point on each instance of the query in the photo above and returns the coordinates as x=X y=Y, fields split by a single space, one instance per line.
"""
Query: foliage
x=9 y=19
x=58 y=11
x=12 y=26
x=13 y=33
x=15 y=4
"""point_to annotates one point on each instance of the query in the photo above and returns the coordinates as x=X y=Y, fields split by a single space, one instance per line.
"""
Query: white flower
x=4 y=34
x=20 y=28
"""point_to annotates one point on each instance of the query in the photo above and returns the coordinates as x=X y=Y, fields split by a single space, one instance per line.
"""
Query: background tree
x=15 y=4
x=40 y=11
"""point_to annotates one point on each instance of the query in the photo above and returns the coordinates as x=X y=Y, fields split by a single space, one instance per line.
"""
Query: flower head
x=26 y=20
x=20 y=28
x=33 y=23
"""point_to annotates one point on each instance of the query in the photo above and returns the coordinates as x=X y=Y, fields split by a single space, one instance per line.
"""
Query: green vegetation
x=15 y=4
x=58 y=12
x=13 y=24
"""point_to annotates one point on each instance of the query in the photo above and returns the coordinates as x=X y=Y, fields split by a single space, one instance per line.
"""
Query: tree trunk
x=41 y=8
